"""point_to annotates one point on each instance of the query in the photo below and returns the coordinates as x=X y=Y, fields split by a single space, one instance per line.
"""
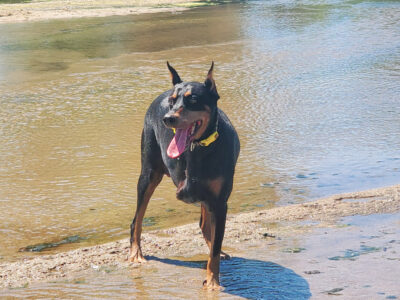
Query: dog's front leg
x=217 y=226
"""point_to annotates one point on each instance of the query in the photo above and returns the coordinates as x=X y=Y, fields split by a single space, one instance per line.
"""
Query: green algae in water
x=334 y=291
x=13 y=1
x=268 y=235
x=268 y=185
x=46 y=246
x=149 y=221
x=301 y=176
x=79 y=281
x=195 y=4
x=293 y=250
x=350 y=254
x=313 y=272
x=24 y=286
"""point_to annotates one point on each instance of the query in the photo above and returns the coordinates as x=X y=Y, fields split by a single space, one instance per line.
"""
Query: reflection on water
x=255 y=279
x=312 y=88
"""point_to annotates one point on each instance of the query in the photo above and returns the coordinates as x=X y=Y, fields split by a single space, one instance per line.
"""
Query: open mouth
x=183 y=137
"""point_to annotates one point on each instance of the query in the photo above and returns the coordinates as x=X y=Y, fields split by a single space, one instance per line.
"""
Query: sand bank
x=39 y=10
x=187 y=241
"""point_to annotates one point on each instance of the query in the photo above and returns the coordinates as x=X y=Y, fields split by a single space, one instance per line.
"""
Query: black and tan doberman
x=187 y=137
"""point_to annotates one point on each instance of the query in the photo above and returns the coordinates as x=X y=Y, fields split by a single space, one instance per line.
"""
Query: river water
x=313 y=88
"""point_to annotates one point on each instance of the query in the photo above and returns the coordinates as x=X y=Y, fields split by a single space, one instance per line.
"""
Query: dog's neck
x=212 y=125
x=195 y=156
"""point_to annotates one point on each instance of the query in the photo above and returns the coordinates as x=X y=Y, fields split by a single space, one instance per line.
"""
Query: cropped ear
x=210 y=83
x=174 y=75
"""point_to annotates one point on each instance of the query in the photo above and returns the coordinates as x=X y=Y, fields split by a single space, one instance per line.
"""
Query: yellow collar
x=207 y=141
x=211 y=139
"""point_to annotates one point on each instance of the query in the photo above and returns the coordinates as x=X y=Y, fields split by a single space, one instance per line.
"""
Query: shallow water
x=263 y=270
x=312 y=87
x=176 y=279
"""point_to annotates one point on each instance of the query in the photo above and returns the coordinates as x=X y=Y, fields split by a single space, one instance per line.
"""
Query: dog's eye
x=192 y=99
x=171 y=101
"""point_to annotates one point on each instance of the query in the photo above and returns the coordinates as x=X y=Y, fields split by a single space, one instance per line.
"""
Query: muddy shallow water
x=312 y=263
x=312 y=88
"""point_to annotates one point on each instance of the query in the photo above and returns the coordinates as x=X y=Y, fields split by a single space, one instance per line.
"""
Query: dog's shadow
x=253 y=279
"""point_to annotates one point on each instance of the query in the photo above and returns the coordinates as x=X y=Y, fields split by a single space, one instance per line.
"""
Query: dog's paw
x=225 y=256
x=211 y=285
x=136 y=255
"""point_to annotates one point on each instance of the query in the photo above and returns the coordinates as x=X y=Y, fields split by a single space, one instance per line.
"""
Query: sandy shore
x=187 y=240
x=39 y=10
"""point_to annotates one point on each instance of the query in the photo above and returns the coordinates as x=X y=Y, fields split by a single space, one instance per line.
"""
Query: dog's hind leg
x=150 y=176
x=205 y=225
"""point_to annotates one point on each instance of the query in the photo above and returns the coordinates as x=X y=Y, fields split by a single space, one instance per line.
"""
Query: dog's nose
x=170 y=120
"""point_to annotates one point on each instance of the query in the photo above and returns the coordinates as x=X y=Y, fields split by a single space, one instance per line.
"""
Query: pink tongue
x=178 y=143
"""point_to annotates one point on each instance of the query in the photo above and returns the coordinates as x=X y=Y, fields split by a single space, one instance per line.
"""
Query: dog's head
x=191 y=105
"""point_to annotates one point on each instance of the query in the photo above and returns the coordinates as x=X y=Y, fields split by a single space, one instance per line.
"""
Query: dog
x=188 y=138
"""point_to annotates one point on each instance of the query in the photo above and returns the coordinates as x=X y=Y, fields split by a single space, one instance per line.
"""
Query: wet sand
x=37 y=10
x=243 y=231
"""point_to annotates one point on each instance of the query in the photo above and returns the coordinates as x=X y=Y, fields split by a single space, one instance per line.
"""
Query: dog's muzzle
x=169 y=120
